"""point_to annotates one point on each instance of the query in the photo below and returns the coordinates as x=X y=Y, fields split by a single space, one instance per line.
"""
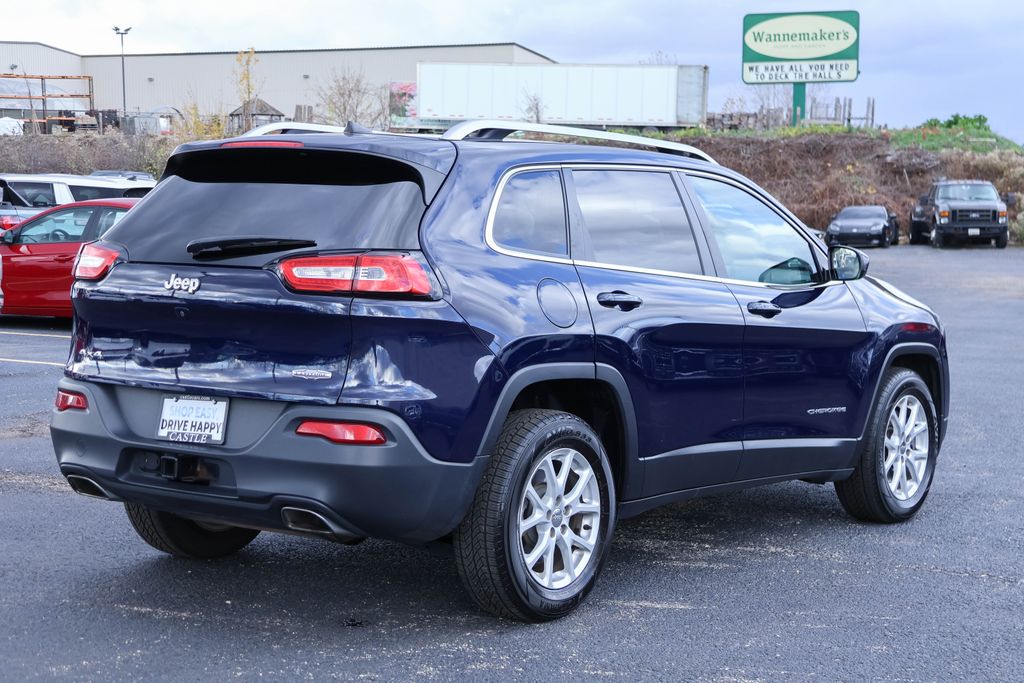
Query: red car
x=36 y=256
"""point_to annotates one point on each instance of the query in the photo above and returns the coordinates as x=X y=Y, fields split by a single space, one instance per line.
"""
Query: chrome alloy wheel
x=907 y=444
x=559 y=518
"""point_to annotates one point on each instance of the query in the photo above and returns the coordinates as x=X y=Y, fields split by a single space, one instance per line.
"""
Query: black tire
x=1002 y=240
x=937 y=239
x=886 y=240
x=184 y=538
x=916 y=233
x=866 y=495
x=896 y=235
x=488 y=551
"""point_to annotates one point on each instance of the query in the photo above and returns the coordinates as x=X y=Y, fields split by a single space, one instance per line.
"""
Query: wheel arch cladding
x=599 y=396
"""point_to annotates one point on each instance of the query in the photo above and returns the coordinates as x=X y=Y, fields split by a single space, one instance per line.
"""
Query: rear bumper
x=395 y=491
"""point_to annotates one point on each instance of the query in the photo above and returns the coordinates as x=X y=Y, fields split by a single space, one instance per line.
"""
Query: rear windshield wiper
x=228 y=247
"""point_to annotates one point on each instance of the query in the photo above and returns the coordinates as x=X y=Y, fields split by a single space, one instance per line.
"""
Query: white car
x=51 y=189
x=23 y=196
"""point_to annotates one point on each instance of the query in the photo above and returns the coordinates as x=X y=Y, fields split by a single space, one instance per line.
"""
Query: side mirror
x=923 y=199
x=8 y=237
x=848 y=263
x=1010 y=199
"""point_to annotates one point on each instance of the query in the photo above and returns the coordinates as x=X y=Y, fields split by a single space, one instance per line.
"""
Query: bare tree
x=660 y=57
x=248 y=86
x=348 y=96
x=534 y=107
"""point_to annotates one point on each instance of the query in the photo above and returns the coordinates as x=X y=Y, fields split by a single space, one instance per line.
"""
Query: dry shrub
x=84 y=153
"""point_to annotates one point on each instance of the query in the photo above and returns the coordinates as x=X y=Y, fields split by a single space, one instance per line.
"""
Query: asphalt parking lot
x=774 y=583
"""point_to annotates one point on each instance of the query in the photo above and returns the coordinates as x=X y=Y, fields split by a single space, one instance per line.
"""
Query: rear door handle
x=620 y=300
x=764 y=309
x=63 y=258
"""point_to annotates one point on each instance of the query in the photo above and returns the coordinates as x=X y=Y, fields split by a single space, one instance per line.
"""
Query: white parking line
x=31 y=362
x=38 y=334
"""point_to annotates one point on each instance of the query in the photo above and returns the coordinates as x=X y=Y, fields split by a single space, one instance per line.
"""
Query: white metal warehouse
x=285 y=78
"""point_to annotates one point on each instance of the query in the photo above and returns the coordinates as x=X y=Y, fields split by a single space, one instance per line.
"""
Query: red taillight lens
x=70 y=400
x=343 y=432
x=263 y=143
x=918 y=327
x=94 y=261
x=320 y=273
x=8 y=222
x=381 y=273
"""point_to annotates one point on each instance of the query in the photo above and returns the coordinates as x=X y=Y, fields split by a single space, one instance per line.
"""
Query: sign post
x=801 y=48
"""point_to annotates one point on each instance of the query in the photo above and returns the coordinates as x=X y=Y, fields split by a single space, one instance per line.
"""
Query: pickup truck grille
x=974 y=216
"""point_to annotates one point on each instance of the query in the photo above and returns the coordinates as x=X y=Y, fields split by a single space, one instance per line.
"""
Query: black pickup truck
x=959 y=210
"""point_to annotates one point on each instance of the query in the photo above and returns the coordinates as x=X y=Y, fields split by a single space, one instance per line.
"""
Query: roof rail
x=285 y=127
x=489 y=129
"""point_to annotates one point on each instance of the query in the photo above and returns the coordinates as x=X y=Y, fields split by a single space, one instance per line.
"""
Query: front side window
x=531 y=214
x=60 y=226
x=756 y=244
x=634 y=219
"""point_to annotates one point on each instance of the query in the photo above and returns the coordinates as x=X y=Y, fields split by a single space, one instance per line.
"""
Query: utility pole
x=124 y=97
x=31 y=104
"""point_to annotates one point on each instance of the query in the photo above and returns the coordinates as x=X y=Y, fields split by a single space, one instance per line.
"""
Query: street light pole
x=124 y=97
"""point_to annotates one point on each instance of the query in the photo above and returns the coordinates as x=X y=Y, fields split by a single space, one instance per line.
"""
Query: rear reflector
x=918 y=327
x=381 y=273
x=70 y=400
x=343 y=432
x=94 y=261
x=263 y=143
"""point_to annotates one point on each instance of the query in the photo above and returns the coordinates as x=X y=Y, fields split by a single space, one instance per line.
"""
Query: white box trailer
x=629 y=96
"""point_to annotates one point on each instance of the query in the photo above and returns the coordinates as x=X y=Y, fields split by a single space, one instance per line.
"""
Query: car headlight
x=1002 y=217
x=832 y=227
x=878 y=228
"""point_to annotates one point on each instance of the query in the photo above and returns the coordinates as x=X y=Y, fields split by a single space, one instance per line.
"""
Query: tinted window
x=756 y=244
x=83 y=193
x=35 y=194
x=60 y=226
x=339 y=200
x=635 y=219
x=531 y=214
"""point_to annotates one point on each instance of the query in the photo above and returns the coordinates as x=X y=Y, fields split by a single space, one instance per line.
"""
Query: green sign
x=801 y=47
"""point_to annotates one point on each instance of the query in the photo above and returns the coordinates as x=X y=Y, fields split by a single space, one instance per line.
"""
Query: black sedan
x=873 y=226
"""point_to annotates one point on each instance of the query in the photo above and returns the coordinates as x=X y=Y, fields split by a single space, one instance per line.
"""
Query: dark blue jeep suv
x=509 y=344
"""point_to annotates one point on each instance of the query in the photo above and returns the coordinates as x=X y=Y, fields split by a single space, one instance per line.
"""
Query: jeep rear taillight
x=70 y=400
x=376 y=273
x=94 y=262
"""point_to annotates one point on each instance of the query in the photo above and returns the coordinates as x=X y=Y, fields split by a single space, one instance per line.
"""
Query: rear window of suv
x=341 y=200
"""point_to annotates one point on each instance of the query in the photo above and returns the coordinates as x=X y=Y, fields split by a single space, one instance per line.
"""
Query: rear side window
x=756 y=244
x=83 y=193
x=634 y=219
x=35 y=194
x=340 y=200
x=531 y=214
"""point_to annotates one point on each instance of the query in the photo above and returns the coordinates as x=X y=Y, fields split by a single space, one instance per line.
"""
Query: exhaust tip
x=87 y=487
x=310 y=522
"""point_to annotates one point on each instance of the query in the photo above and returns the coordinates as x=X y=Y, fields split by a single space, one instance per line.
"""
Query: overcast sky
x=917 y=59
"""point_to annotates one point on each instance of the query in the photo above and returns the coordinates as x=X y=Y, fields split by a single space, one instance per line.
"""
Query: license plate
x=193 y=419
x=973 y=232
